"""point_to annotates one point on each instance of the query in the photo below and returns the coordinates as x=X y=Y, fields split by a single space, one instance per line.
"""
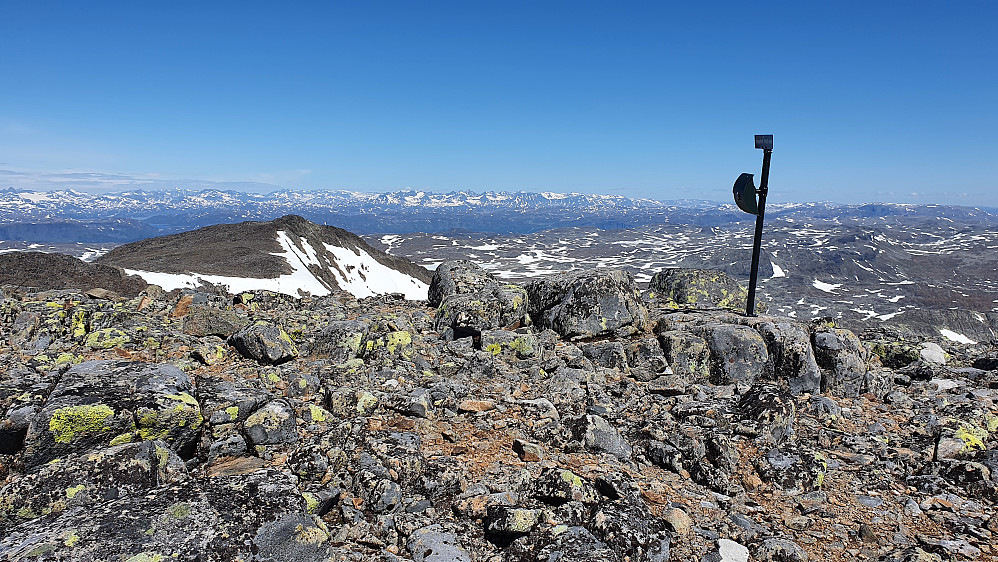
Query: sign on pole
x=753 y=202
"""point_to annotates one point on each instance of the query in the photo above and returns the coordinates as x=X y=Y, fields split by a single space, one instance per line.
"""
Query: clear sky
x=868 y=101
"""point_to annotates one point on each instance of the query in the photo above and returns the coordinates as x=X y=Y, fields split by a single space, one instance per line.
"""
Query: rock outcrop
x=579 y=423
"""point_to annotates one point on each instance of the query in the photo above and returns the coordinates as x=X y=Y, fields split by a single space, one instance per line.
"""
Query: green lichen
x=66 y=423
x=310 y=535
x=146 y=557
x=820 y=477
x=973 y=437
x=107 y=338
x=317 y=413
x=78 y=323
x=72 y=539
x=494 y=348
x=179 y=510
x=73 y=490
x=233 y=412
x=123 y=438
x=311 y=502
x=26 y=513
x=366 y=402
x=68 y=359
x=521 y=346
x=573 y=479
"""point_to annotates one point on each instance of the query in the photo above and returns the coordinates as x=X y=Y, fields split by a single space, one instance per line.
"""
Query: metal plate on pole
x=764 y=142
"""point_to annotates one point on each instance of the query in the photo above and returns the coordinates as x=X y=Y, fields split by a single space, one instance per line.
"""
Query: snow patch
x=826 y=287
x=957 y=337
x=777 y=271
x=363 y=276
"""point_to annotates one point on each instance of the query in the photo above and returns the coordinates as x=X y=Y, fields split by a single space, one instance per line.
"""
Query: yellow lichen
x=233 y=412
x=317 y=413
x=67 y=422
x=73 y=490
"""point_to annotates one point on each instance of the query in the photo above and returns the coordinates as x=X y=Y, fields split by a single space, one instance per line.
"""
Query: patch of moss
x=66 y=423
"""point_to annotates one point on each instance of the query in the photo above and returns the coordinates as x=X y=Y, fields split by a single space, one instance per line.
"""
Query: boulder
x=101 y=403
x=209 y=321
x=703 y=289
x=795 y=467
x=457 y=278
x=687 y=355
x=265 y=343
x=495 y=307
x=585 y=304
x=86 y=479
x=768 y=412
x=839 y=354
x=597 y=435
x=789 y=347
x=738 y=354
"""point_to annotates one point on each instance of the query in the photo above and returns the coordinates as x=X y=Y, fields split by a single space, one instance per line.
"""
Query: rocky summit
x=572 y=418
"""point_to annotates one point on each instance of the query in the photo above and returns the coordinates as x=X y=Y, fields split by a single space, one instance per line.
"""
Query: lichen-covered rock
x=100 y=403
x=433 y=543
x=646 y=359
x=583 y=304
x=456 y=278
x=272 y=424
x=341 y=340
x=697 y=289
x=794 y=467
x=209 y=321
x=558 y=486
x=504 y=342
x=494 y=307
x=265 y=343
x=687 y=354
x=839 y=354
x=606 y=354
x=737 y=354
x=87 y=479
x=22 y=394
x=780 y=550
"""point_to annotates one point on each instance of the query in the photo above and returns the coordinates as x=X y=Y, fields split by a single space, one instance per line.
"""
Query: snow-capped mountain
x=289 y=255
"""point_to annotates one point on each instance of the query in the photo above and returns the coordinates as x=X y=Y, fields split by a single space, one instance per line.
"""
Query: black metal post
x=757 y=243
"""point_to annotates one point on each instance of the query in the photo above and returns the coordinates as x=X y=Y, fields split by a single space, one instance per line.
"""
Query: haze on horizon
x=867 y=102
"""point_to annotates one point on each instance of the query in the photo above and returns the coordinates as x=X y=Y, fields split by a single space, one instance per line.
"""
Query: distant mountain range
x=72 y=216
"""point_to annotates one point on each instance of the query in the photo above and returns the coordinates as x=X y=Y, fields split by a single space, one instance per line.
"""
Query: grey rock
x=839 y=354
x=584 y=304
x=687 y=355
x=596 y=434
x=98 y=403
x=456 y=278
x=272 y=424
x=265 y=343
x=789 y=347
x=697 y=289
x=780 y=550
x=434 y=544
x=209 y=321
x=738 y=354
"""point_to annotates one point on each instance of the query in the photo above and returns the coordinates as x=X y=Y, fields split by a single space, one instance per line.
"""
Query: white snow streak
x=826 y=287
x=954 y=336
x=778 y=271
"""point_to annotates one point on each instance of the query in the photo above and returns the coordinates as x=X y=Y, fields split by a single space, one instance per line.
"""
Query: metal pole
x=757 y=243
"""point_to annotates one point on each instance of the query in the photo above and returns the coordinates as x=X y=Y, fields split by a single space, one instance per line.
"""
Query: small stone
x=678 y=521
x=728 y=551
x=476 y=406
x=528 y=452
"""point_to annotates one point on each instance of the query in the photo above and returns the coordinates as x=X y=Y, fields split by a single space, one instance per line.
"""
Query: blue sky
x=868 y=101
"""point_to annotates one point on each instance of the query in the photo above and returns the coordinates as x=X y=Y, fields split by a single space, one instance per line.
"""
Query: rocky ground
x=569 y=418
